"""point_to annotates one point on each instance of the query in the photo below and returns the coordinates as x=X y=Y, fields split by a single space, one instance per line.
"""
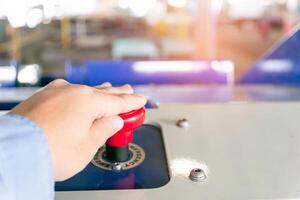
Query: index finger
x=107 y=104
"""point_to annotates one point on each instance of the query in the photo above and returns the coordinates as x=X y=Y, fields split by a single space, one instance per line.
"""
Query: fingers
x=104 y=128
x=113 y=104
x=125 y=89
x=106 y=100
x=104 y=85
x=58 y=83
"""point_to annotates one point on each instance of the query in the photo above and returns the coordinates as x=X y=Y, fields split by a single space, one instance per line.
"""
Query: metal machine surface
x=246 y=150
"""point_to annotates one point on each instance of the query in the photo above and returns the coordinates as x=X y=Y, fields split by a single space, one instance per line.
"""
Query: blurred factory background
x=89 y=41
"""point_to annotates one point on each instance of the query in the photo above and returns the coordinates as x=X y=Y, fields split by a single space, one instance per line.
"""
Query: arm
x=25 y=161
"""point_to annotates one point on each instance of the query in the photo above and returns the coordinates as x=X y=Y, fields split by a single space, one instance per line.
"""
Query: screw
x=197 y=175
x=117 y=167
x=182 y=123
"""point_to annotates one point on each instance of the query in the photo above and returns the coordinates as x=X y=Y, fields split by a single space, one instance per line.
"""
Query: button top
x=132 y=120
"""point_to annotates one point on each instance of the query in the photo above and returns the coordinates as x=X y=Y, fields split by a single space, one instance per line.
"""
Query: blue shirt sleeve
x=26 y=171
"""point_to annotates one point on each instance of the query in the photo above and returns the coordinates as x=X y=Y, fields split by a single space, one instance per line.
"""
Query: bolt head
x=117 y=167
x=197 y=175
x=182 y=123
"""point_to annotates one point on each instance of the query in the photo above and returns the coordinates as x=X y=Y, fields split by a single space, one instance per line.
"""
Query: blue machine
x=150 y=72
x=280 y=65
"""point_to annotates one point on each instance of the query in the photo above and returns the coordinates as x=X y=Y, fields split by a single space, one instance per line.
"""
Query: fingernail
x=118 y=122
x=127 y=85
x=106 y=84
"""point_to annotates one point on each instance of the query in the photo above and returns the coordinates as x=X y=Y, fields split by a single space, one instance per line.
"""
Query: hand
x=77 y=120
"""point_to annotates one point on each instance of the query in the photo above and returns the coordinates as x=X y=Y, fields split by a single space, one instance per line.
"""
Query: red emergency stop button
x=132 y=120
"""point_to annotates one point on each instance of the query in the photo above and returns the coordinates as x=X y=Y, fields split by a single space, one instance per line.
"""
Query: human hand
x=77 y=120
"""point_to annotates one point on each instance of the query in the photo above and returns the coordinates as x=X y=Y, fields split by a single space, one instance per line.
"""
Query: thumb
x=105 y=127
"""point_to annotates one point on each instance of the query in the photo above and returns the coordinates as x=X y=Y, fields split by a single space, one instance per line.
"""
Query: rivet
x=182 y=123
x=197 y=175
x=117 y=167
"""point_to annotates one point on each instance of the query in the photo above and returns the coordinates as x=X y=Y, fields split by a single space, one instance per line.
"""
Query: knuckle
x=83 y=90
x=108 y=84
x=128 y=87
x=58 y=82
